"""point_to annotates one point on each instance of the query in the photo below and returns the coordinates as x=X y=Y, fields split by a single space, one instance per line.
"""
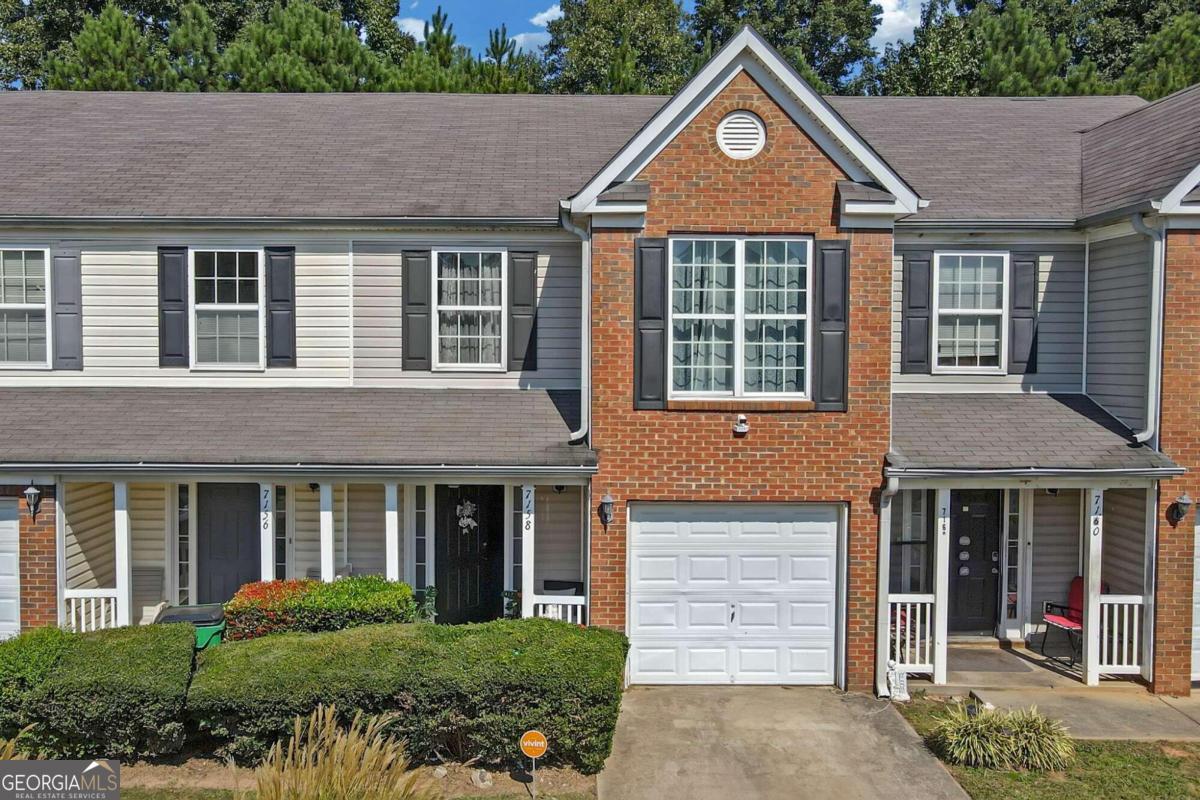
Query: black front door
x=469 y=553
x=227 y=540
x=974 y=560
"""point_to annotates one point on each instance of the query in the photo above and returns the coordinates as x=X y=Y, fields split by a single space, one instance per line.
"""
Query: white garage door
x=10 y=575
x=733 y=593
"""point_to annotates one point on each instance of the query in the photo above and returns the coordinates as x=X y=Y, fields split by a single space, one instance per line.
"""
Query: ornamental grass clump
x=1023 y=739
x=325 y=760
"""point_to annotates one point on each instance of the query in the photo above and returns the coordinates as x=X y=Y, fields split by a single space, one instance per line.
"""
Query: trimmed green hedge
x=461 y=691
x=25 y=662
x=268 y=607
x=116 y=693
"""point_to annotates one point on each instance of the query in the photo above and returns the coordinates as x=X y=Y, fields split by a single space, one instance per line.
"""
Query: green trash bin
x=209 y=621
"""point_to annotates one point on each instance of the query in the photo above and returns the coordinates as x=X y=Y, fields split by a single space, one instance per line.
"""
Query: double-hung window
x=228 y=313
x=469 y=309
x=740 y=317
x=24 y=298
x=969 y=295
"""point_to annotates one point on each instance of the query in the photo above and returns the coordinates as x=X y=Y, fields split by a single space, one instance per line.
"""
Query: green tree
x=1167 y=61
x=109 y=53
x=941 y=58
x=828 y=38
x=300 y=48
x=1018 y=58
x=586 y=39
x=377 y=19
x=440 y=40
x=192 y=57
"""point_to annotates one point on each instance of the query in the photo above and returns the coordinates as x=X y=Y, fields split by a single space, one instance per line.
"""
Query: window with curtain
x=470 y=310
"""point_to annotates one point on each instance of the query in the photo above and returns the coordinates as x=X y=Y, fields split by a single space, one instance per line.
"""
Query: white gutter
x=585 y=325
x=1154 y=372
x=882 y=621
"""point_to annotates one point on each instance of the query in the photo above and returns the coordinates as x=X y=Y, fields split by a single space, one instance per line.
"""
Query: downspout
x=882 y=622
x=1154 y=371
x=585 y=325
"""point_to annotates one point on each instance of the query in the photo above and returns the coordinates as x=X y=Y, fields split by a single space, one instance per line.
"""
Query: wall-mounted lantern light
x=33 y=501
x=1179 y=509
x=606 y=510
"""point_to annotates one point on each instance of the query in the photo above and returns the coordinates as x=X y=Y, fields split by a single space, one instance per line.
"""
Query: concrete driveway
x=724 y=742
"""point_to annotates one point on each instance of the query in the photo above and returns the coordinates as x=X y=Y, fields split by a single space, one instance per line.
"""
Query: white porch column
x=941 y=587
x=391 y=530
x=527 y=587
x=266 y=531
x=1092 y=545
x=883 y=650
x=328 y=573
x=124 y=553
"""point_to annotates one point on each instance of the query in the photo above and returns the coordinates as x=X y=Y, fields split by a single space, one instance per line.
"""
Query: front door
x=227 y=540
x=974 y=560
x=469 y=553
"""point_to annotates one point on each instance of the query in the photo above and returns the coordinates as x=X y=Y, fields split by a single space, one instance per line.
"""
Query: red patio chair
x=1068 y=618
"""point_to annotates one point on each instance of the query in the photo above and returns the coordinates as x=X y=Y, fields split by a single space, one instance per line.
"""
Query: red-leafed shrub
x=259 y=609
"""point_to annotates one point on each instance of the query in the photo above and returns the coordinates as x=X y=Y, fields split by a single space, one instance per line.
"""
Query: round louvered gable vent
x=741 y=135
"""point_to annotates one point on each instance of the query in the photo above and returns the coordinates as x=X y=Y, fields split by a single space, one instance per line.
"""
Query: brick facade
x=38 y=563
x=1179 y=439
x=685 y=454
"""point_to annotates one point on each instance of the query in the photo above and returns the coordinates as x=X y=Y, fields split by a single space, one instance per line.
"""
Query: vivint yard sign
x=60 y=780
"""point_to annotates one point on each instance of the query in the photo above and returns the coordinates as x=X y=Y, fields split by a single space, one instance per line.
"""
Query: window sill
x=740 y=404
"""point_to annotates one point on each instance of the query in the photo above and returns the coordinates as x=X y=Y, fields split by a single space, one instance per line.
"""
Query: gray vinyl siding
x=377 y=316
x=1119 y=327
x=1060 y=324
x=557 y=544
x=1123 y=545
x=1055 y=547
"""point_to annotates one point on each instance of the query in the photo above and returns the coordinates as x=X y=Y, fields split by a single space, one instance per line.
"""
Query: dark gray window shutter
x=416 y=286
x=522 y=311
x=650 y=324
x=917 y=308
x=172 y=307
x=281 y=306
x=831 y=327
x=67 y=312
x=1022 y=314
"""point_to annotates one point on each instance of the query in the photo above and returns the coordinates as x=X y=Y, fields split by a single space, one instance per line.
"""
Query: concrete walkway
x=1107 y=712
x=726 y=742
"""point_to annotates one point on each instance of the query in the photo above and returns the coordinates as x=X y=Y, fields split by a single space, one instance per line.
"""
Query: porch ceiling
x=309 y=427
x=1013 y=432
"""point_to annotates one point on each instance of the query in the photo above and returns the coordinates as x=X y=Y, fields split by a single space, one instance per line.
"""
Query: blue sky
x=526 y=19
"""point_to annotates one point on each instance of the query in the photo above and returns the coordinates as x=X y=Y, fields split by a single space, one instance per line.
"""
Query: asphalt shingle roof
x=290 y=427
x=1012 y=432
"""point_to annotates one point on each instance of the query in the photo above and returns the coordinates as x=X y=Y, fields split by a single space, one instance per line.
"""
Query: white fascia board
x=748 y=52
x=866 y=207
x=1173 y=202
x=615 y=208
x=872 y=221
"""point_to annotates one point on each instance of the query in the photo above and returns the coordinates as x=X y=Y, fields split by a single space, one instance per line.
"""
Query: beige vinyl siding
x=89 y=527
x=557 y=544
x=1060 y=325
x=307 y=529
x=147 y=528
x=365 y=515
x=1123 y=547
x=1119 y=327
x=378 y=320
x=120 y=314
x=1056 y=521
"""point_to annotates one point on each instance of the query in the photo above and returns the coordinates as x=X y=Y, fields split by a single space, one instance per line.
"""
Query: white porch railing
x=90 y=609
x=566 y=608
x=910 y=623
x=1120 y=634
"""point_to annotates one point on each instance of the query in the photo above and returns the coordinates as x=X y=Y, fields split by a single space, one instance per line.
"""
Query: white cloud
x=531 y=41
x=898 y=20
x=544 y=18
x=413 y=4
x=413 y=26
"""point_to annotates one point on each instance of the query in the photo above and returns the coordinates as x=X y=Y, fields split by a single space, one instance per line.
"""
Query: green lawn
x=1104 y=770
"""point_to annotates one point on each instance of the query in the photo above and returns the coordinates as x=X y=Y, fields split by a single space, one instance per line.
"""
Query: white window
x=739 y=317
x=469 y=298
x=912 y=554
x=970 y=298
x=227 y=329
x=24 y=299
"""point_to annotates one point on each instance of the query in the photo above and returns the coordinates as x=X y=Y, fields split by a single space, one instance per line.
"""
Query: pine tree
x=623 y=77
x=1018 y=58
x=301 y=48
x=110 y=53
x=1167 y=61
x=440 y=39
x=192 y=57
